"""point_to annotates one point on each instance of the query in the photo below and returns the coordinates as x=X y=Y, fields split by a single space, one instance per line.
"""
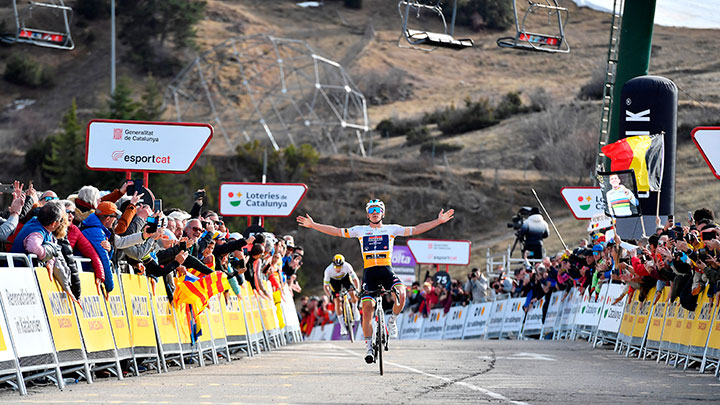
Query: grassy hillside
x=486 y=181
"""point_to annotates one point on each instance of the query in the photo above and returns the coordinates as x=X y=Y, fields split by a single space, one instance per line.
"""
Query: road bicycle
x=380 y=337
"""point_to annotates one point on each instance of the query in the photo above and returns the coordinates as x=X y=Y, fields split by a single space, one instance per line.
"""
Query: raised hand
x=18 y=189
x=445 y=216
x=308 y=222
x=135 y=198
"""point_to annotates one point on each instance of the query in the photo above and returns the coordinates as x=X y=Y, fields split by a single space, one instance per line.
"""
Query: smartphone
x=152 y=224
x=135 y=186
x=671 y=218
x=707 y=235
x=158 y=205
x=6 y=188
x=198 y=194
x=690 y=217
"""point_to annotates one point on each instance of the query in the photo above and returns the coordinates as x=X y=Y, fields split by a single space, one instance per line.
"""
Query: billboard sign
x=139 y=146
x=584 y=202
x=260 y=199
x=426 y=251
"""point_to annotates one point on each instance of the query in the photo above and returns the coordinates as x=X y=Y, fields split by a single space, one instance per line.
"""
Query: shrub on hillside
x=476 y=115
x=510 y=104
x=24 y=71
x=394 y=127
x=381 y=87
x=540 y=100
x=433 y=147
x=417 y=135
x=593 y=88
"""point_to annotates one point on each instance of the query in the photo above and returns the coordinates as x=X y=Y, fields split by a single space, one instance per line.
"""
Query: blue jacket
x=95 y=232
x=33 y=225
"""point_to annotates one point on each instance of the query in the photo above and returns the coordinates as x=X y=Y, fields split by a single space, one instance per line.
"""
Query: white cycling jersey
x=376 y=243
x=337 y=274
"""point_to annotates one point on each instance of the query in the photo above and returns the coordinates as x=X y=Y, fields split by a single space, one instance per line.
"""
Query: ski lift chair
x=534 y=41
x=425 y=40
x=40 y=36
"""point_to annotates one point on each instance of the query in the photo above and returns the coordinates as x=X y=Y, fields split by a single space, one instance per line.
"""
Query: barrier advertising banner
x=497 y=315
x=514 y=316
x=233 y=317
x=6 y=351
x=216 y=318
x=119 y=318
x=434 y=325
x=612 y=315
x=477 y=320
x=94 y=323
x=25 y=312
x=137 y=146
x=455 y=321
x=167 y=329
x=533 y=320
x=412 y=327
x=589 y=312
x=137 y=300
x=259 y=199
x=551 y=317
x=60 y=313
x=427 y=251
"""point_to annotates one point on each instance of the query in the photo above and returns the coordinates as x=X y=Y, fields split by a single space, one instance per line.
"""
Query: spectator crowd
x=125 y=229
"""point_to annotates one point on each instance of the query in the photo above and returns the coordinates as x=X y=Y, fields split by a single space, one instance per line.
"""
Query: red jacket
x=79 y=243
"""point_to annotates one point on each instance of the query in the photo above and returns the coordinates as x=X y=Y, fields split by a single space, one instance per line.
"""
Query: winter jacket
x=81 y=245
x=67 y=253
x=95 y=232
x=7 y=226
x=535 y=229
x=31 y=238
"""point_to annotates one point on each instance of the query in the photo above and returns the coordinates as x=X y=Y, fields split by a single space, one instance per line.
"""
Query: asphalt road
x=417 y=372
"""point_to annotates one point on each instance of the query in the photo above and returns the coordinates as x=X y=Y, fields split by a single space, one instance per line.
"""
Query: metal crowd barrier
x=44 y=334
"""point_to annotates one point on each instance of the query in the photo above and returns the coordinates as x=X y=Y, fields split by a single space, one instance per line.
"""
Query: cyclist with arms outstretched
x=340 y=274
x=376 y=243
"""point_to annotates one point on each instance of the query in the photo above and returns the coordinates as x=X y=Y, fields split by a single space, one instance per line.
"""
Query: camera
x=519 y=218
x=198 y=195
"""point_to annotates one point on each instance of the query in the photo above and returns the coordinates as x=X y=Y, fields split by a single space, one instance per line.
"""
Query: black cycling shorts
x=337 y=285
x=376 y=276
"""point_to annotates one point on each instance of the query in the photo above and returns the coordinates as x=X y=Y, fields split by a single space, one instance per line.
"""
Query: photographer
x=533 y=231
x=476 y=286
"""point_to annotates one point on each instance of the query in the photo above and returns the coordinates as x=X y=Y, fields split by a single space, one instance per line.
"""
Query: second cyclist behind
x=340 y=274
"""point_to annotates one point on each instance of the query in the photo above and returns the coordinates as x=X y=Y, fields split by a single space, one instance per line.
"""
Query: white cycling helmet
x=375 y=203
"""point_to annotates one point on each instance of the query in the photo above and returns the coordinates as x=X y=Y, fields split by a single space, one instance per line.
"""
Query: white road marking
x=522 y=356
x=487 y=392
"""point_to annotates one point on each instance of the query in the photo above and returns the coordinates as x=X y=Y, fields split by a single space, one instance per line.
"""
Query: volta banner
x=260 y=199
x=60 y=313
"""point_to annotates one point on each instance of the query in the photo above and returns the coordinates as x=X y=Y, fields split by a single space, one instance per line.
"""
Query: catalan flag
x=644 y=154
x=192 y=295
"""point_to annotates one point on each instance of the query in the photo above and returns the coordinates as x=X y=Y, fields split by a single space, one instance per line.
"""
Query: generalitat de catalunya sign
x=426 y=251
x=260 y=199
x=138 y=146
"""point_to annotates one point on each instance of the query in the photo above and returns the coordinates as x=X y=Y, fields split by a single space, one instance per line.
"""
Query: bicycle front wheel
x=349 y=321
x=380 y=319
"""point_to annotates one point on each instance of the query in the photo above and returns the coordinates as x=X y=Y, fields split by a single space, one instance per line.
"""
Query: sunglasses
x=70 y=212
x=49 y=198
x=196 y=229
x=374 y=210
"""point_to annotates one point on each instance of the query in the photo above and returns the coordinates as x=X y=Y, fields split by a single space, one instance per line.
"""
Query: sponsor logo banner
x=426 y=251
x=584 y=202
x=262 y=200
x=133 y=146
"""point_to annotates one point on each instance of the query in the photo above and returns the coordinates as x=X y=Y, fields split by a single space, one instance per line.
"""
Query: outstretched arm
x=308 y=222
x=443 y=217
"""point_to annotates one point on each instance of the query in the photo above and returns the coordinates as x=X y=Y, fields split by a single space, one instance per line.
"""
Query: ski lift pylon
x=425 y=40
x=42 y=36
x=535 y=41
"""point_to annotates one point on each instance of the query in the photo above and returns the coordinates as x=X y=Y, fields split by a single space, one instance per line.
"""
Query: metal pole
x=112 y=47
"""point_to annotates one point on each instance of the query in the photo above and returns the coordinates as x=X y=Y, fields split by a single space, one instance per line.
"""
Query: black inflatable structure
x=649 y=106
